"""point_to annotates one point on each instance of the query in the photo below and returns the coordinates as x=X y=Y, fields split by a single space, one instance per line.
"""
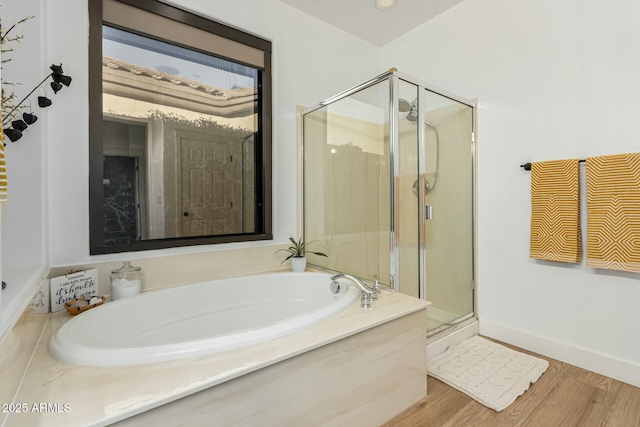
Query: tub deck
x=106 y=395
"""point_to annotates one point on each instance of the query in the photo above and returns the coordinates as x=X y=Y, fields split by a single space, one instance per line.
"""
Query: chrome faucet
x=376 y=286
x=368 y=293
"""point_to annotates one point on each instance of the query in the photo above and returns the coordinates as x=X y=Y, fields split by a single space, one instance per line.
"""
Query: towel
x=613 y=208
x=555 y=211
x=3 y=169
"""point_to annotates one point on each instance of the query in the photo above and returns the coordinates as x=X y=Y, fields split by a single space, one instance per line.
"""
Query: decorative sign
x=41 y=300
x=74 y=285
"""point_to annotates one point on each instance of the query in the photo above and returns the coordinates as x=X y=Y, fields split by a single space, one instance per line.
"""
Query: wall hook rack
x=59 y=80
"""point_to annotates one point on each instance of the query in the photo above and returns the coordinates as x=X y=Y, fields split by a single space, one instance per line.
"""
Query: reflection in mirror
x=182 y=152
x=193 y=116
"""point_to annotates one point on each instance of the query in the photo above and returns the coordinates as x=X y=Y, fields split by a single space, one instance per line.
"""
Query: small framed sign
x=73 y=285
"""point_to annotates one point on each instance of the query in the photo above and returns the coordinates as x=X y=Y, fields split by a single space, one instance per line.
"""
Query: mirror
x=180 y=138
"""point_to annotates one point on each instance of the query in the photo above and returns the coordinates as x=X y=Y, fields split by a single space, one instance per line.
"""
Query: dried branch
x=4 y=35
x=10 y=110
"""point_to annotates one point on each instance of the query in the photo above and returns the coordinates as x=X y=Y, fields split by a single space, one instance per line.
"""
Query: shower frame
x=394 y=78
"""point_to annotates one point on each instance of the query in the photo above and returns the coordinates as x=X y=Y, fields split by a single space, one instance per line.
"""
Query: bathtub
x=199 y=319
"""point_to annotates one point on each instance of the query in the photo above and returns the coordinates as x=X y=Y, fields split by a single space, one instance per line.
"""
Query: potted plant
x=297 y=254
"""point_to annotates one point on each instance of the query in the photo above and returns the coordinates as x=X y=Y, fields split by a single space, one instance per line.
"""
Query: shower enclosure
x=389 y=191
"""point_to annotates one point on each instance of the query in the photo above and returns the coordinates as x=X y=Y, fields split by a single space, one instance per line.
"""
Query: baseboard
x=604 y=364
x=440 y=344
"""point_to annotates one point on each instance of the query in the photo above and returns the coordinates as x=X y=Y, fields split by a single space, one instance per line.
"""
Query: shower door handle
x=428 y=212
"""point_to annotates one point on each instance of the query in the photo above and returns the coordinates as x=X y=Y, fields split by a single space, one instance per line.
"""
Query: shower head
x=413 y=111
x=404 y=106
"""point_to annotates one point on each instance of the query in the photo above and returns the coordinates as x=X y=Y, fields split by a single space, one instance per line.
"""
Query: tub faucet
x=368 y=293
x=376 y=286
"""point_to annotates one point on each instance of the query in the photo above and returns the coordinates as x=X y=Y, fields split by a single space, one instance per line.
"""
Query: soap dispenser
x=126 y=281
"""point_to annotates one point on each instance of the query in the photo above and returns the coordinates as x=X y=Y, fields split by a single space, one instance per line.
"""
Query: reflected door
x=448 y=235
x=211 y=193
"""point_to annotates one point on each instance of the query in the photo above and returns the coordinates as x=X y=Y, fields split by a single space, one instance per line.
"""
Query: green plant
x=298 y=249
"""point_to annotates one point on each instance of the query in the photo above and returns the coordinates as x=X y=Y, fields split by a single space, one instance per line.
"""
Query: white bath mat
x=490 y=373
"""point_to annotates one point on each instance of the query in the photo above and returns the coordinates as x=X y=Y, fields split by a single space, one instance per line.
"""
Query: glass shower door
x=448 y=230
x=406 y=238
x=347 y=183
x=378 y=160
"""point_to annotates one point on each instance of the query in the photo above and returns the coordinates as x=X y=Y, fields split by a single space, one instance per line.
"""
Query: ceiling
x=362 y=19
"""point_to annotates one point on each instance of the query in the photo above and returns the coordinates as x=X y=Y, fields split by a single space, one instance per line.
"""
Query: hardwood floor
x=564 y=396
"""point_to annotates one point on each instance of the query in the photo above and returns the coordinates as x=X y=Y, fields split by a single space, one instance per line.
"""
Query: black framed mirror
x=179 y=129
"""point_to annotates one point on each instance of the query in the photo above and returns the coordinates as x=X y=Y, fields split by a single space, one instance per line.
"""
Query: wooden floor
x=564 y=396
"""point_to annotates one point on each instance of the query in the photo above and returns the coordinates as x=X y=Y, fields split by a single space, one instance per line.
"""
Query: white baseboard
x=605 y=364
x=439 y=345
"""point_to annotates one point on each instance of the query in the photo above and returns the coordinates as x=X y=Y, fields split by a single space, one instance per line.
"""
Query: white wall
x=24 y=236
x=311 y=61
x=555 y=80
x=1 y=225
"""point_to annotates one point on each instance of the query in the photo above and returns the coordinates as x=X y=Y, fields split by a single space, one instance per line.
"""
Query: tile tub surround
x=362 y=380
x=101 y=396
x=174 y=270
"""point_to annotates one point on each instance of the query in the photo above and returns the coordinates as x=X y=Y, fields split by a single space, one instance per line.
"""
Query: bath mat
x=490 y=373
x=613 y=201
x=555 y=211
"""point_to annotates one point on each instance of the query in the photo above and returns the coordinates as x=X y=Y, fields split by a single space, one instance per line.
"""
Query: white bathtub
x=198 y=319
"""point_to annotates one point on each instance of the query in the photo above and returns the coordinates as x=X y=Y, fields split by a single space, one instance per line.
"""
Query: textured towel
x=613 y=207
x=3 y=169
x=555 y=211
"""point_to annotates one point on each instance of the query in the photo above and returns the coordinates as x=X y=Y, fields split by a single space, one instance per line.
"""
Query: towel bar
x=527 y=166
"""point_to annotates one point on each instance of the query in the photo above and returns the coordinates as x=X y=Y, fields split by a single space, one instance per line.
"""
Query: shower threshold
x=447 y=327
x=454 y=335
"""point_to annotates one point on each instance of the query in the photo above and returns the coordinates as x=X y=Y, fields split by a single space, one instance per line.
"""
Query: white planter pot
x=299 y=264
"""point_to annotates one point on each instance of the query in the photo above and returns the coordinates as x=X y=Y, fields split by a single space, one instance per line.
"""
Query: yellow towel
x=555 y=211
x=613 y=206
x=3 y=169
